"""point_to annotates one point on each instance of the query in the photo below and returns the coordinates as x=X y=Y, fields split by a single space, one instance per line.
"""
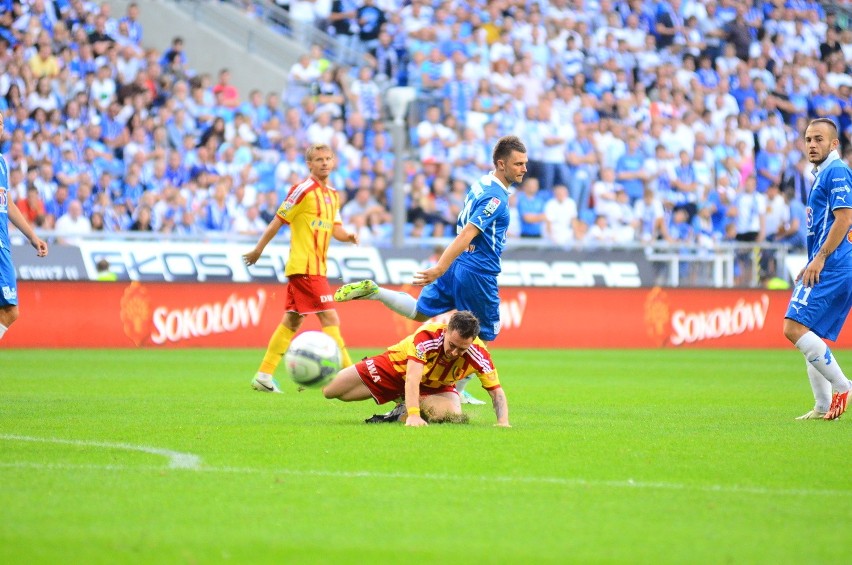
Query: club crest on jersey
x=419 y=352
x=809 y=214
x=492 y=206
x=849 y=236
x=4 y=200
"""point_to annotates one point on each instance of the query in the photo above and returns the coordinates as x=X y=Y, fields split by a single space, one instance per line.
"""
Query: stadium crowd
x=674 y=120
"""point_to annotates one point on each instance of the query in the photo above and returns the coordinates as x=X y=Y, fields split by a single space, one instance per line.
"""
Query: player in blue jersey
x=9 y=213
x=822 y=296
x=465 y=276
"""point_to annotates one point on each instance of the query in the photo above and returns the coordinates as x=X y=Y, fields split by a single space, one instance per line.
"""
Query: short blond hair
x=314 y=148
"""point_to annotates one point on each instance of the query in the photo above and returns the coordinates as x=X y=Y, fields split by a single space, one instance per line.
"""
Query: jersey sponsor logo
x=10 y=293
x=319 y=224
x=492 y=206
x=371 y=369
x=843 y=188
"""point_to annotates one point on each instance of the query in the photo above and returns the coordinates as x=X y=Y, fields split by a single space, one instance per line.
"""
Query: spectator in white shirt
x=561 y=214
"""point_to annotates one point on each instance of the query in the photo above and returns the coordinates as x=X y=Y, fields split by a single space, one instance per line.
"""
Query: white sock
x=463 y=383
x=400 y=302
x=2 y=330
x=819 y=356
x=821 y=388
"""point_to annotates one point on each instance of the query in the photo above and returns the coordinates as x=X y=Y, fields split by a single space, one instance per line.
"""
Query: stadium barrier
x=146 y=257
x=226 y=314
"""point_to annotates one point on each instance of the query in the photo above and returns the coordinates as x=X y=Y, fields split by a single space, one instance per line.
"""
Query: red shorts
x=308 y=294
x=385 y=383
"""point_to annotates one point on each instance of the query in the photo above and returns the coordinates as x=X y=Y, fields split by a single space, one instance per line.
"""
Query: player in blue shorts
x=465 y=276
x=9 y=213
x=822 y=296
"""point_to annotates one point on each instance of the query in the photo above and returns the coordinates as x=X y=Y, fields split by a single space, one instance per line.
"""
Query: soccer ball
x=313 y=359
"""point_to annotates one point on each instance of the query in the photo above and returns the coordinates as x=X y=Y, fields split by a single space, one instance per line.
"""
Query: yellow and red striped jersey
x=426 y=346
x=312 y=210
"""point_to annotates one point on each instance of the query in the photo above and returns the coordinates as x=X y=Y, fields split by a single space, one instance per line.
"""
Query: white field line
x=177 y=459
x=374 y=475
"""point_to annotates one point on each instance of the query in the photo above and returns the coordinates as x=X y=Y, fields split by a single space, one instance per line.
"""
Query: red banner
x=90 y=314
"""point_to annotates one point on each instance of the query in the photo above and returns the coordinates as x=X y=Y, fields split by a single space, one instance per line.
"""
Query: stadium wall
x=210 y=48
x=226 y=314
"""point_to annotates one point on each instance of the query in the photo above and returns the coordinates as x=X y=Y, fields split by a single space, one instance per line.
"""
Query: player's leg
x=264 y=380
x=817 y=312
x=442 y=407
x=479 y=294
x=8 y=315
x=330 y=322
x=9 y=297
x=400 y=302
x=347 y=386
x=821 y=388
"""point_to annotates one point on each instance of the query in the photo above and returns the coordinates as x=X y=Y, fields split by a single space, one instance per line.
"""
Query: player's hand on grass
x=251 y=257
x=414 y=420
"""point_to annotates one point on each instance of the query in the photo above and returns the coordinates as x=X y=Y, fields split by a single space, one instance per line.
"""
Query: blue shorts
x=462 y=289
x=8 y=286
x=823 y=307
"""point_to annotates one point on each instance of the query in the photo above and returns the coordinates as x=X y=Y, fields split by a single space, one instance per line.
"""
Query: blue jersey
x=831 y=191
x=486 y=206
x=8 y=286
x=5 y=195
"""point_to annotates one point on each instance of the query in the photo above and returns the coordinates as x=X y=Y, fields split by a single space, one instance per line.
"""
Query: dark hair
x=465 y=323
x=505 y=146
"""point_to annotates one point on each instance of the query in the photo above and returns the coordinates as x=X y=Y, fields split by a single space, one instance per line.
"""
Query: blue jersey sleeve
x=486 y=209
x=839 y=184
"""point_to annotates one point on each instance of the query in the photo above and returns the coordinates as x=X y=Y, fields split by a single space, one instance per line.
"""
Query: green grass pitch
x=675 y=456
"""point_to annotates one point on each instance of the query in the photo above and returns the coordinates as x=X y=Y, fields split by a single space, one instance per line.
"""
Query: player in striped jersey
x=822 y=296
x=312 y=209
x=422 y=369
x=9 y=212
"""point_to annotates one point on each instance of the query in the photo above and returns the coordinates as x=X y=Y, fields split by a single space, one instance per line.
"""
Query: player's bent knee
x=793 y=330
x=8 y=315
x=443 y=408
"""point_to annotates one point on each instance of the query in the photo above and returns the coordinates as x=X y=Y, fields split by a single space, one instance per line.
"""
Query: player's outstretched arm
x=501 y=407
x=453 y=250
x=252 y=256
x=20 y=222
x=413 y=377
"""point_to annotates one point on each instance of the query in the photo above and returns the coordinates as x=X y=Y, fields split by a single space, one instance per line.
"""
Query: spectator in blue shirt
x=630 y=171
x=769 y=165
x=531 y=209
